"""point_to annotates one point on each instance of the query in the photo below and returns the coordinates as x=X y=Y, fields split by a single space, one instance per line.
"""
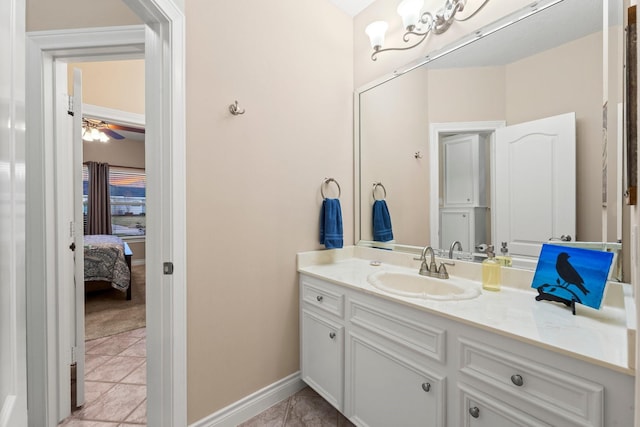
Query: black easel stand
x=548 y=297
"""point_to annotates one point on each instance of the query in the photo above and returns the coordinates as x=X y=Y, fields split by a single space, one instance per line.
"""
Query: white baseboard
x=135 y=262
x=255 y=403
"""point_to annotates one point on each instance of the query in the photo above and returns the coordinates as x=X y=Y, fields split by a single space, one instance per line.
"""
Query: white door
x=535 y=183
x=78 y=218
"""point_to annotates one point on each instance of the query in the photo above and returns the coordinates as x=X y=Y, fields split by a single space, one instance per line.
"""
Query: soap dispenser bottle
x=504 y=258
x=491 y=276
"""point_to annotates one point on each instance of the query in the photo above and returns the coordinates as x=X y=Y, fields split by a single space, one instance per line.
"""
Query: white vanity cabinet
x=394 y=372
x=384 y=363
x=528 y=386
x=322 y=339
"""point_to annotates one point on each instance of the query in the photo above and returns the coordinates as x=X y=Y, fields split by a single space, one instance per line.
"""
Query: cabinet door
x=322 y=350
x=456 y=224
x=483 y=410
x=387 y=390
x=463 y=171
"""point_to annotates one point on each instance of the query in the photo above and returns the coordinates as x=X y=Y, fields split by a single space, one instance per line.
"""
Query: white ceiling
x=352 y=7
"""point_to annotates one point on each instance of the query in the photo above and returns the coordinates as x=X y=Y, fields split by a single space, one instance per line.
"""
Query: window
x=127 y=187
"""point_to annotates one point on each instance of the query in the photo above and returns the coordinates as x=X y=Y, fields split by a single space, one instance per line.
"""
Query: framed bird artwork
x=572 y=275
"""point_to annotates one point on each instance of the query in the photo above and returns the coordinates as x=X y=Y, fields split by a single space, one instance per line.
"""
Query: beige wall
x=253 y=197
x=118 y=85
x=48 y=15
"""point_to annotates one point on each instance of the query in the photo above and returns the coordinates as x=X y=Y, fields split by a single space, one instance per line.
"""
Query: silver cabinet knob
x=474 y=412
x=319 y=298
x=426 y=387
x=517 y=380
x=332 y=335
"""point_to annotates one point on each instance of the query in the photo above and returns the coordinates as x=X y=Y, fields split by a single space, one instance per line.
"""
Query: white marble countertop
x=596 y=336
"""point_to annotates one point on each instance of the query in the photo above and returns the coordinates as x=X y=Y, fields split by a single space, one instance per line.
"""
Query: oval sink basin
x=416 y=286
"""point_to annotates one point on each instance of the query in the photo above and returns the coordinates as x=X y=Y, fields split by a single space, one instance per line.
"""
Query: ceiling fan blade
x=126 y=128
x=112 y=134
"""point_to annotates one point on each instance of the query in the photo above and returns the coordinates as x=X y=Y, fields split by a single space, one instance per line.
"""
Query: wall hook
x=417 y=155
x=233 y=108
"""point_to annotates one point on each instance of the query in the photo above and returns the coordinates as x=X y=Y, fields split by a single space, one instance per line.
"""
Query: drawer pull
x=517 y=380
x=474 y=412
x=332 y=335
x=426 y=387
x=319 y=298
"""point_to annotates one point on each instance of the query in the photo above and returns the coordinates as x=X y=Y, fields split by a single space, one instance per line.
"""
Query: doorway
x=166 y=341
x=112 y=385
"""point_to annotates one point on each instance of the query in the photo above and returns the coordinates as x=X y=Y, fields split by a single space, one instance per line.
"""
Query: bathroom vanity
x=498 y=359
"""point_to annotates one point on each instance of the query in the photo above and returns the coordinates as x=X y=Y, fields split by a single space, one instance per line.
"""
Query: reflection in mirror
x=547 y=64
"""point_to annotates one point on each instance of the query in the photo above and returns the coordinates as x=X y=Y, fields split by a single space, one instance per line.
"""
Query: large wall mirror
x=430 y=139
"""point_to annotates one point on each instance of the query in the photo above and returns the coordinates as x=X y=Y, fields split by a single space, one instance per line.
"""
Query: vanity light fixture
x=417 y=23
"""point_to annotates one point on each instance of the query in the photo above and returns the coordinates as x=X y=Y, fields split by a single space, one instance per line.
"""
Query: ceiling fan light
x=95 y=134
x=104 y=137
x=86 y=135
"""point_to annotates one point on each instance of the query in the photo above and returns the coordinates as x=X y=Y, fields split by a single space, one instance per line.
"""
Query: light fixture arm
x=436 y=23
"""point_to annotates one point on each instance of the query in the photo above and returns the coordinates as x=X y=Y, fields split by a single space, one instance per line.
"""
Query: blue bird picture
x=572 y=274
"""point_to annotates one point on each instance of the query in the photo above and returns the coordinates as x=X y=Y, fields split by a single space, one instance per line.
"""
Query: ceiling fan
x=99 y=130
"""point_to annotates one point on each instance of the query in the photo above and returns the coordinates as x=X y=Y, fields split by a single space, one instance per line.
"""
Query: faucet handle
x=442 y=272
x=424 y=269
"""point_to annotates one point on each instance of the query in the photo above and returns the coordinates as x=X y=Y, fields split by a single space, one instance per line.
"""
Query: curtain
x=99 y=199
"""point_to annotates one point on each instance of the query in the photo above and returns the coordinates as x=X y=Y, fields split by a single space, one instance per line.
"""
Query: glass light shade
x=376 y=31
x=410 y=11
x=104 y=137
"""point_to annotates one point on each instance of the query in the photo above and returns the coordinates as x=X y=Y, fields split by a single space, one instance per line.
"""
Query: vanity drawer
x=323 y=296
x=574 y=399
x=412 y=330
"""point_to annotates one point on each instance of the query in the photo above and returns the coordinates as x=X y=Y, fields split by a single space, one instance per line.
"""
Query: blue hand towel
x=381 y=222
x=331 y=224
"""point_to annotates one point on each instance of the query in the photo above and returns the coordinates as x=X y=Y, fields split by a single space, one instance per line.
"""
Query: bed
x=108 y=259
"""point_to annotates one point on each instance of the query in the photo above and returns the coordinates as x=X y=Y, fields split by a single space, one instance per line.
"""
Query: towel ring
x=327 y=181
x=375 y=187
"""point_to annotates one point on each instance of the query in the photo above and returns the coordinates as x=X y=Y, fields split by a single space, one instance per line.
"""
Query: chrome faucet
x=432 y=268
x=453 y=246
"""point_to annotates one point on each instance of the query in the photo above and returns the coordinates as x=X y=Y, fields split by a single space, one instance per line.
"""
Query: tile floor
x=115 y=382
x=304 y=409
x=116 y=391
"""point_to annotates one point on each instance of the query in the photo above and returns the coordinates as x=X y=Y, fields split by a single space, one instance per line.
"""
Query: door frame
x=438 y=131
x=163 y=40
x=13 y=380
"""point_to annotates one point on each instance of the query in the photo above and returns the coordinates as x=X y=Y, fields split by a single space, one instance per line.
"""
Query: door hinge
x=167 y=268
x=70 y=108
